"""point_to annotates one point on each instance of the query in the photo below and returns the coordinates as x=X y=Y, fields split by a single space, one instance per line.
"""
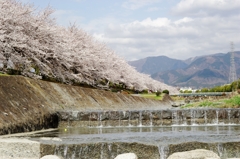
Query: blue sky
x=135 y=29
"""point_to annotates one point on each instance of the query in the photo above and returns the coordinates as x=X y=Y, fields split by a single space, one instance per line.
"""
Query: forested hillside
x=33 y=45
x=197 y=72
x=151 y=65
x=205 y=71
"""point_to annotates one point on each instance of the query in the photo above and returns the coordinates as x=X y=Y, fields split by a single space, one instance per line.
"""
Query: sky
x=136 y=29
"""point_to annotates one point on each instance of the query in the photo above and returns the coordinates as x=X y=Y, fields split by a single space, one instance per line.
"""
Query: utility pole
x=232 y=73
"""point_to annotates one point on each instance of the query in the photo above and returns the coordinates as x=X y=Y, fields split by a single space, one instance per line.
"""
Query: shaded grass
x=152 y=96
x=3 y=74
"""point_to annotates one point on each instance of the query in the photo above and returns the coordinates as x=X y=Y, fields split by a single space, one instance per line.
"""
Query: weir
x=168 y=117
x=152 y=134
x=147 y=142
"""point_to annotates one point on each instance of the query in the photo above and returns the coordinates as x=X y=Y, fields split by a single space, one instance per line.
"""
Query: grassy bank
x=233 y=102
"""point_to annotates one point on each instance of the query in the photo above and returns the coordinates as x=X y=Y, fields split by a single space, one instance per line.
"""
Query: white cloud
x=207 y=28
x=206 y=7
x=147 y=29
x=200 y=27
x=184 y=20
x=181 y=39
x=159 y=22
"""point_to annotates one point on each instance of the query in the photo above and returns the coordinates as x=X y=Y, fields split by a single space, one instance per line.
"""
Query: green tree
x=158 y=93
x=227 y=88
x=166 y=91
x=187 y=91
x=204 y=90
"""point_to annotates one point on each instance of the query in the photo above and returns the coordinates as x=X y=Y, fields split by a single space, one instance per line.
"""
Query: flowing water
x=163 y=128
x=167 y=134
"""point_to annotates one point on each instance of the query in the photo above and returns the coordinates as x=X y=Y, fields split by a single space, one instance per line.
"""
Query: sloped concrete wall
x=27 y=104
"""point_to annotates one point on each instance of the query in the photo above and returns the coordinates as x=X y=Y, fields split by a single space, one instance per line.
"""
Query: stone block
x=127 y=156
x=51 y=157
x=194 y=154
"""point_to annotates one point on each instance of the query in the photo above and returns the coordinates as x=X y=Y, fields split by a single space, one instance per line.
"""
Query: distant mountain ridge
x=151 y=65
x=197 y=72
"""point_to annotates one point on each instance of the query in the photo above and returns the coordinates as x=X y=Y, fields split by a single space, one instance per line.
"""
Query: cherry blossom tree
x=32 y=44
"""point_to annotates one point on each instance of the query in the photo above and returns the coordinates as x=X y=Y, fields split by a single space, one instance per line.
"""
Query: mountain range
x=197 y=72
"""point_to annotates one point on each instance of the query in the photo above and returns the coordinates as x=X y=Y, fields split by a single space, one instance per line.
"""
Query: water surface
x=154 y=135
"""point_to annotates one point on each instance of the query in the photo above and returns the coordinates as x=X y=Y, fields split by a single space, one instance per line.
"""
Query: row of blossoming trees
x=32 y=44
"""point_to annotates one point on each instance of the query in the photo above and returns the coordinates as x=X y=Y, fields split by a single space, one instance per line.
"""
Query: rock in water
x=127 y=156
x=194 y=154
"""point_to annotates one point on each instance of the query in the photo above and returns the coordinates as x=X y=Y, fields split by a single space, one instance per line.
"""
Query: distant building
x=183 y=89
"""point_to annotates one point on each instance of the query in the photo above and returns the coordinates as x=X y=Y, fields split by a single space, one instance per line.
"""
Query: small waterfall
x=100 y=130
x=238 y=116
x=118 y=147
x=74 y=114
x=65 y=151
x=140 y=130
x=216 y=119
x=102 y=146
x=80 y=151
x=161 y=118
x=193 y=116
x=74 y=152
x=217 y=127
x=119 y=118
x=129 y=119
x=140 y=118
x=229 y=130
x=163 y=151
x=151 y=118
x=184 y=118
x=205 y=117
x=107 y=122
x=110 y=151
x=86 y=149
x=175 y=118
x=124 y=113
x=100 y=119
x=89 y=120
x=110 y=148
x=68 y=125
x=206 y=129
x=220 y=149
x=92 y=117
x=56 y=151
x=229 y=116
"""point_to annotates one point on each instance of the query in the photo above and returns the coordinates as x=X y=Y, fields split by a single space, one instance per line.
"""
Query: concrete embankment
x=29 y=105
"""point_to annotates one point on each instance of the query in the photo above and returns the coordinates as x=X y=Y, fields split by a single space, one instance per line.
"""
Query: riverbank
x=30 y=105
x=117 y=123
